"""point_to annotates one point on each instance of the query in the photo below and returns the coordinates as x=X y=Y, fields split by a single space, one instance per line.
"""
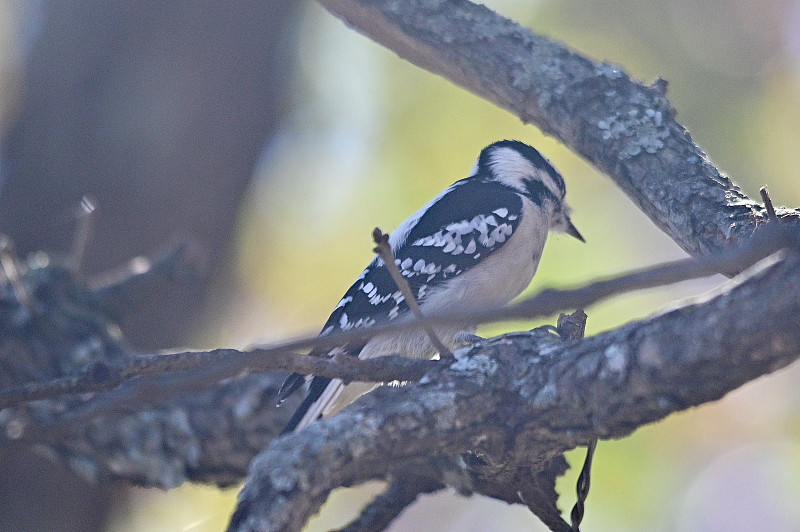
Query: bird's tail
x=314 y=404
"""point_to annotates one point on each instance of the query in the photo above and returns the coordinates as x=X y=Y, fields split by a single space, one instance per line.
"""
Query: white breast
x=500 y=277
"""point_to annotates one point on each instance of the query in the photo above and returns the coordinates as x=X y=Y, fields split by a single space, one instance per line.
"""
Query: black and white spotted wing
x=428 y=254
x=487 y=214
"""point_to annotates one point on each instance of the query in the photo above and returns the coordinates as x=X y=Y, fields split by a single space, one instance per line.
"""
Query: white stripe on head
x=512 y=168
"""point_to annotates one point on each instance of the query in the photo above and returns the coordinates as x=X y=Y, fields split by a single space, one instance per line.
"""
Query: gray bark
x=519 y=405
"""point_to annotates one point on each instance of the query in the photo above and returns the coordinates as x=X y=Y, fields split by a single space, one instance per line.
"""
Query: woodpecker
x=476 y=245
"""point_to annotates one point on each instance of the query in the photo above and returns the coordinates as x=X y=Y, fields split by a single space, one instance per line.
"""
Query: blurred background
x=279 y=138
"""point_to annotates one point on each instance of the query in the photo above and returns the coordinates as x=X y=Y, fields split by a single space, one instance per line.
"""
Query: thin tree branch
x=102 y=376
x=582 y=488
x=384 y=250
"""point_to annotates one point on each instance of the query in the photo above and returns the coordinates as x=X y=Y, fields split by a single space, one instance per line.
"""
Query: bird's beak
x=571 y=230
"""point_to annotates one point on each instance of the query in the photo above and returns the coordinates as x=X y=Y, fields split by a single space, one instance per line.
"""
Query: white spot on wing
x=344 y=302
x=499 y=234
x=463 y=228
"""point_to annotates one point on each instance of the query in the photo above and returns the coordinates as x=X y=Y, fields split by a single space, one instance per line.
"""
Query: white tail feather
x=321 y=406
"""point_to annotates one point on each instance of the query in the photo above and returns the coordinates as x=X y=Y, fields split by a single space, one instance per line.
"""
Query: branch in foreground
x=102 y=376
x=624 y=128
x=515 y=403
x=205 y=436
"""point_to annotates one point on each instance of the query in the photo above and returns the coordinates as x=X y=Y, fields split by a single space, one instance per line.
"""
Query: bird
x=476 y=245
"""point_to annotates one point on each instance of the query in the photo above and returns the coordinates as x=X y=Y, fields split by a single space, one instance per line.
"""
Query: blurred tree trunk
x=159 y=112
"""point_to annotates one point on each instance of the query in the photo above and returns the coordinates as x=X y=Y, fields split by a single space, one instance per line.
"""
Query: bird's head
x=523 y=168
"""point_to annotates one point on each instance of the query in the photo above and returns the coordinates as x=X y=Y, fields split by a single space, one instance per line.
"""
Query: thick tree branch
x=517 y=403
x=208 y=435
x=111 y=433
x=624 y=128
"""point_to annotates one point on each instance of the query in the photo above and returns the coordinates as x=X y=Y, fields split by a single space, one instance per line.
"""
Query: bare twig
x=768 y=240
x=384 y=250
x=400 y=493
x=100 y=376
x=572 y=327
x=117 y=291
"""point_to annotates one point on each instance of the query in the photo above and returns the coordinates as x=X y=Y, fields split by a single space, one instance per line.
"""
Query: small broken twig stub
x=770 y=208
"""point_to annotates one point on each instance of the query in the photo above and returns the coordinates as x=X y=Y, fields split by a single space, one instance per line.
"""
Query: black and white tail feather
x=475 y=245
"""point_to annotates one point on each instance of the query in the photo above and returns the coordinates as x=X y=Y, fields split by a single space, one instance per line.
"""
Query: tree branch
x=110 y=434
x=401 y=492
x=518 y=404
x=624 y=128
x=101 y=375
